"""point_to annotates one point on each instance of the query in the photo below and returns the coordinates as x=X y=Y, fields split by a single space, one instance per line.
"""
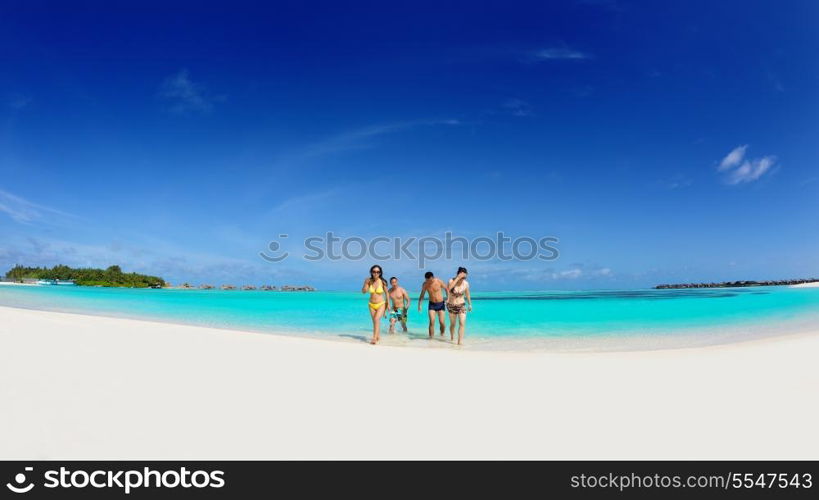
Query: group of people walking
x=452 y=297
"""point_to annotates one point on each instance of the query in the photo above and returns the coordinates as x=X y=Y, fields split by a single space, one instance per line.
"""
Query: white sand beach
x=811 y=284
x=85 y=387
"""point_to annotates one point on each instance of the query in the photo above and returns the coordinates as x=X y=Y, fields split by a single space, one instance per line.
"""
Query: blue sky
x=659 y=142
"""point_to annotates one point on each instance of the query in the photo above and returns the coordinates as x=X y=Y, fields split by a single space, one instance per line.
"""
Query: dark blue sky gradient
x=180 y=140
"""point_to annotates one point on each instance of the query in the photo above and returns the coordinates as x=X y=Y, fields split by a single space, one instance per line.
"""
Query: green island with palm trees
x=85 y=276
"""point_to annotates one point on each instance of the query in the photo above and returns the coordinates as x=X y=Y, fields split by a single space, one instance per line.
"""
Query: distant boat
x=56 y=282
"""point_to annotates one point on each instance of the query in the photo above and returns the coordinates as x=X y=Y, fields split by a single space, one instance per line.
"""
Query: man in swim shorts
x=437 y=300
x=400 y=303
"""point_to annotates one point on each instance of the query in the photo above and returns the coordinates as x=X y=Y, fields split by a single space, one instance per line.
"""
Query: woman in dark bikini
x=376 y=286
x=458 y=303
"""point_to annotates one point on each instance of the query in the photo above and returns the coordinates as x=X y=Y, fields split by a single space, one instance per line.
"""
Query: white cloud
x=738 y=170
x=733 y=158
x=577 y=272
x=679 y=181
x=184 y=95
x=751 y=170
x=557 y=53
x=23 y=211
x=18 y=101
x=517 y=107
x=299 y=204
x=168 y=260
x=568 y=274
x=357 y=139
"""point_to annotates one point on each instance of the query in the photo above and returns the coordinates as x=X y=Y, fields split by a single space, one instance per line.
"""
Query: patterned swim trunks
x=399 y=315
x=456 y=308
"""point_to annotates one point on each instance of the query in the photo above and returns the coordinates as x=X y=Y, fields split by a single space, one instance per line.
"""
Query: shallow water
x=522 y=320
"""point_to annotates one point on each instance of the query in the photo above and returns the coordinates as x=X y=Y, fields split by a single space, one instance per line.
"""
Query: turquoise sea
x=551 y=319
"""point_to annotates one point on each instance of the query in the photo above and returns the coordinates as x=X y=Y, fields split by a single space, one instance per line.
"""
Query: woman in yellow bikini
x=376 y=286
